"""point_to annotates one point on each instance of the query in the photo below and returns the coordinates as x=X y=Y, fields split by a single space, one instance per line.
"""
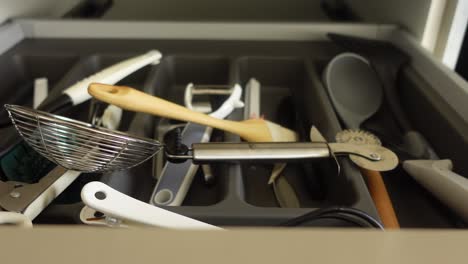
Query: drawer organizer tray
x=292 y=94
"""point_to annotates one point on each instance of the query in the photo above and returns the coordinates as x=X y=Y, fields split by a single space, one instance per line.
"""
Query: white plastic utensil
x=13 y=218
x=41 y=90
x=111 y=117
x=119 y=206
x=49 y=194
x=78 y=92
x=252 y=99
x=439 y=179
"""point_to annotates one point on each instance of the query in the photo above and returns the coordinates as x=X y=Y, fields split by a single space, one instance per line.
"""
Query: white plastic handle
x=111 y=75
x=111 y=117
x=188 y=97
x=437 y=177
x=41 y=90
x=233 y=102
x=12 y=218
x=103 y=198
x=49 y=194
x=252 y=99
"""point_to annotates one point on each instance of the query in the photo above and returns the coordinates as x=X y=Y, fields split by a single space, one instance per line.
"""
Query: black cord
x=344 y=218
x=351 y=214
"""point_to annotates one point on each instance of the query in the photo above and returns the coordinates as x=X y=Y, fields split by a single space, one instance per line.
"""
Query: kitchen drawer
x=288 y=60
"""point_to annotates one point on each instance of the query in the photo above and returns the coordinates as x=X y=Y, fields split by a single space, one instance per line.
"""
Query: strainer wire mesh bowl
x=80 y=146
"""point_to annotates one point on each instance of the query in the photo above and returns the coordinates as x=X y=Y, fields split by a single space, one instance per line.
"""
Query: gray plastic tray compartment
x=287 y=87
x=430 y=115
x=172 y=77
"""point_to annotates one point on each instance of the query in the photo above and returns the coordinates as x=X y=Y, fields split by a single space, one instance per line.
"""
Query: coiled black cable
x=347 y=214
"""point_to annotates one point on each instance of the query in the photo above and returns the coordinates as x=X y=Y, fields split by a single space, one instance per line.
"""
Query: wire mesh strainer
x=78 y=145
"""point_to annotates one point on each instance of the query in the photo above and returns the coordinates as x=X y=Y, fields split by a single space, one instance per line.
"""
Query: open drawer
x=288 y=61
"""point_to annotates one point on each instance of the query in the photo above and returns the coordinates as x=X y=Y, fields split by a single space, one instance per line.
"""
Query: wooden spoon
x=252 y=130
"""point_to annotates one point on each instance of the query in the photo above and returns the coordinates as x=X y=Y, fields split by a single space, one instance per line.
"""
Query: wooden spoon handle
x=134 y=100
x=381 y=198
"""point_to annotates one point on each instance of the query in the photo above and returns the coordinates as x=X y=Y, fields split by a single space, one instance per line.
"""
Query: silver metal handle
x=371 y=157
x=278 y=151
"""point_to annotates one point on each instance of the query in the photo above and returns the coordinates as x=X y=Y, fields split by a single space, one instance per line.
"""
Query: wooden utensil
x=381 y=199
x=252 y=130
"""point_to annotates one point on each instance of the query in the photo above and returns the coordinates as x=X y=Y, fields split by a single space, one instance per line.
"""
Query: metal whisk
x=80 y=146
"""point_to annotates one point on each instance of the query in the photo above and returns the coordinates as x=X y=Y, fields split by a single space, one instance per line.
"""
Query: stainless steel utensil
x=28 y=200
x=82 y=147
x=77 y=145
